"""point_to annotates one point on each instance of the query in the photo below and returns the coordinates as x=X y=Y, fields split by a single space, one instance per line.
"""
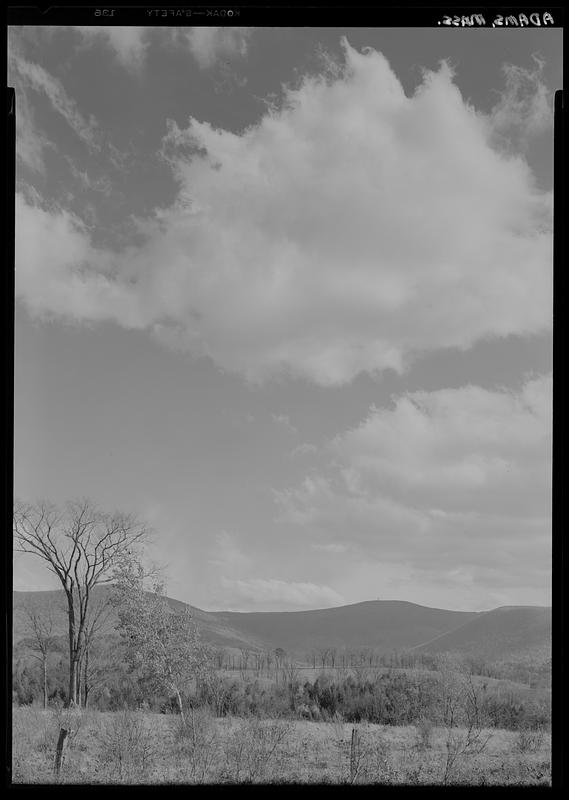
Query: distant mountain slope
x=383 y=625
x=503 y=633
x=213 y=630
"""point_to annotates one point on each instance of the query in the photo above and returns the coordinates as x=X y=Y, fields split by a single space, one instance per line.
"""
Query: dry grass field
x=144 y=748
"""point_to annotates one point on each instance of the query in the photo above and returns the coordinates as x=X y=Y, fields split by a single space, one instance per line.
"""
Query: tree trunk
x=85 y=677
x=79 y=673
x=81 y=644
x=180 y=707
x=72 y=696
x=72 y=693
x=45 y=681
x=76 y=643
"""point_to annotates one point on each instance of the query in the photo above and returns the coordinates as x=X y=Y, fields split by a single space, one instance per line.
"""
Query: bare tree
x=268 y=661
x=259 y=658
x=219 y=658
x=82 y=546
x=324 y=653
x=291 y=674
x=40 y=625
x=280 y=656
x=461 y=701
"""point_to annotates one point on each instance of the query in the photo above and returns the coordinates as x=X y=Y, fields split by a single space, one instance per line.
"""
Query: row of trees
x=246 y=660
x=322 y=658
x=365 y=662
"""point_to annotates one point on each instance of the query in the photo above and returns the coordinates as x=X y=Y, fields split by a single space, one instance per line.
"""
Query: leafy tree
x=161 y=642
x=82 y=546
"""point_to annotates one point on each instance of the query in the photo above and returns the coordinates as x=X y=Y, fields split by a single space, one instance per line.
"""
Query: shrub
x=424 y=727
x=252 y=749
x=199 y=745
x=363 y=755
x=528 y=740
x=127 y=747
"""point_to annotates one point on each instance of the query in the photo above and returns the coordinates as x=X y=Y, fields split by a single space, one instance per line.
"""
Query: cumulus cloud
x=273 y=594
x=466 y=449
x=346 y=230
x=446 y=482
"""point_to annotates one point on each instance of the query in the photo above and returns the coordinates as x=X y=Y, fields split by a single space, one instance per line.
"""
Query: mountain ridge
x=380 y=625
x=526 y=629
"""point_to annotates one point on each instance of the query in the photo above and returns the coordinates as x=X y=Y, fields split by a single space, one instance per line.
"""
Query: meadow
x=138 y=747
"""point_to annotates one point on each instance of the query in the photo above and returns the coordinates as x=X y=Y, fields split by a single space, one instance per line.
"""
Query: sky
x=286 y=295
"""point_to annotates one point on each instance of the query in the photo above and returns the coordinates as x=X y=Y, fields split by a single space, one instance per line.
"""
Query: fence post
x=354 y=755
x=60 y=750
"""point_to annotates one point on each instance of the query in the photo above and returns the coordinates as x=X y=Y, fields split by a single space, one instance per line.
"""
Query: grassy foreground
x=145 y=748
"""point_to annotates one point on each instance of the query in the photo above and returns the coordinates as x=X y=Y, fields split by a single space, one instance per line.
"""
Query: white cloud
x=444 y=481
x=31 y=140
x=229 y=571
x=304 y=449
x=31 y=144
x=525 y=108
x=466 y=449
x=343 y=232
x=332 y=547
x=272 y=593
x=208 y=45
x=128 y=44
x=34 y=76
x=58 y=272
x=284 y=421
x=101 y=184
